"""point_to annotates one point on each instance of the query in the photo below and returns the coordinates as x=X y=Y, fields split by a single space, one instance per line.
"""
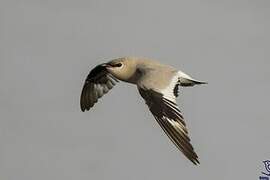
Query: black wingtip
x=193 y=158
x=195 y=162
x=82 y=107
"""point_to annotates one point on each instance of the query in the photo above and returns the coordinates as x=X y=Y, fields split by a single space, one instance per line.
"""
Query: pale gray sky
x=48 y=47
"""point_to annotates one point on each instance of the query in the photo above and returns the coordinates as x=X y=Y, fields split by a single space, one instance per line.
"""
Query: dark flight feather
x=169 y=117
x=98 y=82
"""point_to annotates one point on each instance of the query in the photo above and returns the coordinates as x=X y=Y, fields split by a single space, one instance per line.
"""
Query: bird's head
x=122 y=68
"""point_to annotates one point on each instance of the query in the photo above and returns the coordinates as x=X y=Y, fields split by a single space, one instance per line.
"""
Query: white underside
x=168 y=91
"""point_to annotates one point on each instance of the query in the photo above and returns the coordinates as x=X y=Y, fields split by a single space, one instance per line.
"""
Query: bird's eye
x=117 y=65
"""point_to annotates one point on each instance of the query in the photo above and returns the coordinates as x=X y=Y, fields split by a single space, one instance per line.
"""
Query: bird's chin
x=111 y=70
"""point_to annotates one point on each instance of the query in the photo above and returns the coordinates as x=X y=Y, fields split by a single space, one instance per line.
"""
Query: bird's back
x=156 y=76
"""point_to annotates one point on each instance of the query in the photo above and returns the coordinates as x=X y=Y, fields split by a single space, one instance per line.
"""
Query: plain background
x=48 y=47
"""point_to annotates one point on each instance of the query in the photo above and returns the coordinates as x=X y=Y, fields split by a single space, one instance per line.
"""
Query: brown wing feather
x=98 y=82
x=169 y=117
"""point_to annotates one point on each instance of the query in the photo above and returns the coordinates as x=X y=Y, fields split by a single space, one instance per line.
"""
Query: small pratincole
x=157 y=83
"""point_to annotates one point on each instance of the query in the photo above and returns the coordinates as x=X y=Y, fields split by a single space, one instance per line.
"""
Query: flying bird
x=157 y=83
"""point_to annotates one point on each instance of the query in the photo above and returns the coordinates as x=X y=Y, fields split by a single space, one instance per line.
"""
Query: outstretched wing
x=169 y=117
x=98 y=82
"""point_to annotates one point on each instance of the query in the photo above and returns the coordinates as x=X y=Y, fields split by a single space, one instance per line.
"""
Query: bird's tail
x=186 y=80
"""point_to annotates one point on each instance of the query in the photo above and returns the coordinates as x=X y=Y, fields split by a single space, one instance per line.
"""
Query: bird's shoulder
x=164 y=83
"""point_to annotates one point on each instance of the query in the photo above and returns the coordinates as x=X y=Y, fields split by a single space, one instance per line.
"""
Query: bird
x=158 y=84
